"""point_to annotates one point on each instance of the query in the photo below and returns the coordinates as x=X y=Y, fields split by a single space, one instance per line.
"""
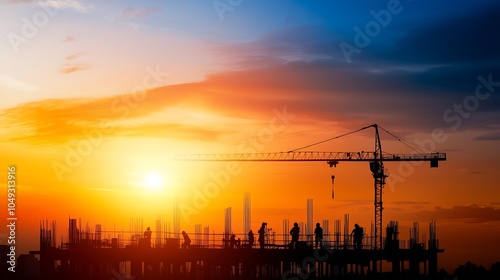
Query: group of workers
x=357 y=234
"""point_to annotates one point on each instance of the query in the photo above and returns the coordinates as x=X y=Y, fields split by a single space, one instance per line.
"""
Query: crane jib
x=434 y=158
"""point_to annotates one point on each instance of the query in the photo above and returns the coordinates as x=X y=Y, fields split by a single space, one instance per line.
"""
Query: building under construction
x=96 y=254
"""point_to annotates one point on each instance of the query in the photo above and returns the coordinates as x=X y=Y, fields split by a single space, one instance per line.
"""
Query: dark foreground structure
x=93 y=257
x=165 y=263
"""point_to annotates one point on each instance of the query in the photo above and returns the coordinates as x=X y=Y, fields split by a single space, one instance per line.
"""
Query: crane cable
x=329 y=139
x=406 y=143
x=332 y=167
x=332 y=173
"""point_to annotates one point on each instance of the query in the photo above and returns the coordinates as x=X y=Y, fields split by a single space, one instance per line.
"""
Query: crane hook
x=333 y=182
x=333 y=166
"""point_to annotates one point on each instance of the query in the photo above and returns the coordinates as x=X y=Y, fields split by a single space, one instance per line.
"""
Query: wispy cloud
x=57 y=121
x=423 y=82
x=316 y=90
x=68 y=69
x=495 y=136
x=69 y=66
x=130 y=12
x=13 y=83
x=467 y=213
x=74 y=56
x=56 y=4
x=68 y=39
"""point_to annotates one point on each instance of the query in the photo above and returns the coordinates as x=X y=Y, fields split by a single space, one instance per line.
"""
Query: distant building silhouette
x=28 y=266
x=4 y=250
x=310 y=222
x=247 y=213
x=227 y=223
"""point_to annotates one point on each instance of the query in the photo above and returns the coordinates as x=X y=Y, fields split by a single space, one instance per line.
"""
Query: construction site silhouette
x=96 y=254
x=300 y=252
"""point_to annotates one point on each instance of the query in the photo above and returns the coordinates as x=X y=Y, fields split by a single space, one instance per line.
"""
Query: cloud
x=301 y=43
x=301 y=70
x=138 y=13
x=313 y=92
x=399 y=206
x=74 y=56
x=421 y=75
x=410 y=202
x=15 y=84
x=57 y=4
x=465 y=213
x=69 y=66
x=443 y=56
x=168 y=130
x=21 y=1
x=68 y=69
x=57 y=121
x=68 y=39
x=489 y=137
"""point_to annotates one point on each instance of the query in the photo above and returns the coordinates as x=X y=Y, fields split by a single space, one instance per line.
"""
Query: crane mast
x=376 y=159
x=378 y=172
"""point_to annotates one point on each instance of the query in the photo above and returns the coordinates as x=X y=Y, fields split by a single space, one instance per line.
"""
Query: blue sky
x=184 y=34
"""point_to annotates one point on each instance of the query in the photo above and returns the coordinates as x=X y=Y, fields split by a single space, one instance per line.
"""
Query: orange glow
x=82 y=158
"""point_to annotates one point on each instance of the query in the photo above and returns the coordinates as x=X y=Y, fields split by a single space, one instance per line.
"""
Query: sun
x=153 y=181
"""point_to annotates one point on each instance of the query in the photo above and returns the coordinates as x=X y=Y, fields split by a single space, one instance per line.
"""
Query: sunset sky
x=98 y=96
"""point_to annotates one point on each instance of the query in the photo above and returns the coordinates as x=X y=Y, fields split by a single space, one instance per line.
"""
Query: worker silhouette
x=251 y=239
x=187 y=241
x=262 y=233
x=318 y=236
x=295 y=231
x=147 y=235
x=357 y=232
x=232 y=241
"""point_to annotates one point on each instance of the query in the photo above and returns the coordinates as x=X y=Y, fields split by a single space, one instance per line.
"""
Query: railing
x=334 y=241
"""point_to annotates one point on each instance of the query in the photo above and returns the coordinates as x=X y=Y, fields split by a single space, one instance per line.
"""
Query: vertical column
x=433 y=264
x=136 y=269
x=286 y=230
x=396 y=267
x=247 y=214
x=310 y=222
x=206 y=236
x=177 y=220
x=158 y=230
x=227 y=224
x=197 y=235
x=326 y=234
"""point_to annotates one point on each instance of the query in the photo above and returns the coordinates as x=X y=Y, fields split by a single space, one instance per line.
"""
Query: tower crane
x=375 y=158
